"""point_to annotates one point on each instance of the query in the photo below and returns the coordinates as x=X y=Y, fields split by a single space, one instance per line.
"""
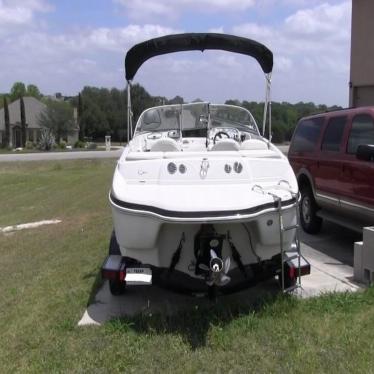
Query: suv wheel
x=309 y=220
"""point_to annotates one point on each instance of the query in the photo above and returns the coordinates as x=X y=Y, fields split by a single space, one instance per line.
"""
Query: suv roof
x=341 y=111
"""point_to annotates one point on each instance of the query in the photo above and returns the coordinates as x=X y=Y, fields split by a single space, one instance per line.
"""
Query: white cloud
x=149 y=9
x=328 y=20
x=218 y=30
x=311 y=45
x=119 y=39
x=66 y=62
x=20 y=12
x=311 y=55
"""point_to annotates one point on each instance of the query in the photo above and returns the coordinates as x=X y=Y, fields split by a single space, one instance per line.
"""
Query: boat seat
x=252 y=144
x=226 y=145
x=164 y=145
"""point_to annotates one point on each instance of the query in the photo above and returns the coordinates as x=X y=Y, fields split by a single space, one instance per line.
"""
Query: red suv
x=332 y=155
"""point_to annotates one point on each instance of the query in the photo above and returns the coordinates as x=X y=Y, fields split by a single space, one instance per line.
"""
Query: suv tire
x=309 y=220
x=116 y=288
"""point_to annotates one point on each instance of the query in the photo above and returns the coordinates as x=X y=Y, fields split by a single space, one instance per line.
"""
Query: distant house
x=33 y=109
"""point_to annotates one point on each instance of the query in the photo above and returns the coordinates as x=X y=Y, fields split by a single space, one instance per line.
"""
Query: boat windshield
x=196 y=118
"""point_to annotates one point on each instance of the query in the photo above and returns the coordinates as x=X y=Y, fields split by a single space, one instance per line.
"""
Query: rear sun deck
x=256 y=153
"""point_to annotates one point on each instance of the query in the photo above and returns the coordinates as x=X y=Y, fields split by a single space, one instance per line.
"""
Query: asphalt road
x=73 y=155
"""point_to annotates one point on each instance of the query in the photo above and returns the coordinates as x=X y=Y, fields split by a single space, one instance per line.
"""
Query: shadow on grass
x=194 y=322
x=96 y=285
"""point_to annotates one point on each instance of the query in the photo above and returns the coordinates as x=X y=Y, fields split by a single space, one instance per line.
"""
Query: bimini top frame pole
x=129 y=112
x=267 y=106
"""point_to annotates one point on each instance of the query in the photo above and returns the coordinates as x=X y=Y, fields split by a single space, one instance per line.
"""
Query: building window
x=362 y=132
x=334 y=134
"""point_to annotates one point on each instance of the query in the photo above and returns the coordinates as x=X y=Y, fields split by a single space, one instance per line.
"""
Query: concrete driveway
x=73 y=155
x=330 y=254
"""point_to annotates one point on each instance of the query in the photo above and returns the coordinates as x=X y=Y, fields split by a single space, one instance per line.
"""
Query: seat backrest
x=226 y=145
x=253 y=144
x=164 y=145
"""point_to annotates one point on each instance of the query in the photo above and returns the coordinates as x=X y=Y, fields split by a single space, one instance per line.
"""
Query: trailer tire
x=116 y=288
x=288 y=282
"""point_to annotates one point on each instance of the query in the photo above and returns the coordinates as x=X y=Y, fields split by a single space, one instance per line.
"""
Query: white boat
x=201 y=200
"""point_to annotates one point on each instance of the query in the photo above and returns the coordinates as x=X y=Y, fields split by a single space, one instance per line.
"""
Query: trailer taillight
x=114 y=268
x=292 y=267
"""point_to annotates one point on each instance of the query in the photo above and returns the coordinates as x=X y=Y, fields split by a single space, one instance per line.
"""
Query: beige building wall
x=362 y=54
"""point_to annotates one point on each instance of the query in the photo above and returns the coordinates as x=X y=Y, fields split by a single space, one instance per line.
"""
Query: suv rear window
x=306 y=135
x=362 y=132
x=333 y=134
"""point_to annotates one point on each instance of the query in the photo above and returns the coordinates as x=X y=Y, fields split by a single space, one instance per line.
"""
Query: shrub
x=62 y=144
x=91 y=145
x=29 y=145
x=47 y=140
x=79 y=144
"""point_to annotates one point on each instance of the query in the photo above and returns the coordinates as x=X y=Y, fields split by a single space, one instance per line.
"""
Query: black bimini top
x=141 y=52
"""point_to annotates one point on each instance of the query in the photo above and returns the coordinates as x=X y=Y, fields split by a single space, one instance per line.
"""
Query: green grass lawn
x=48 y=274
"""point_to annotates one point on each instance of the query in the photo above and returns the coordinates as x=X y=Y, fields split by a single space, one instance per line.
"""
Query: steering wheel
x=219 y=134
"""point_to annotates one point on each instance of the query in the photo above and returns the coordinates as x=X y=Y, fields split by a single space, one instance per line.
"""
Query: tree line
x=102 y=111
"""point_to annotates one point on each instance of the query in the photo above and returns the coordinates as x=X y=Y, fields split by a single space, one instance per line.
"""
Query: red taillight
x=109 y=274
x=122 y=274
x=292 y=272
x=114 y=268
x=292 y=268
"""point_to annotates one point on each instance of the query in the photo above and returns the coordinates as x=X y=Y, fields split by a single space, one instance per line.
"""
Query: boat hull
x=152 y=239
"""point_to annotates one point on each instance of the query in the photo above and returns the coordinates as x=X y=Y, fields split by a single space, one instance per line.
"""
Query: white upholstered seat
x=253 y=144
x=226 y=145
x=164 y=145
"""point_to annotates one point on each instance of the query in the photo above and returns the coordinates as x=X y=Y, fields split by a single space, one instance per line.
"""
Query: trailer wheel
x=288 y=281
x=116 y=288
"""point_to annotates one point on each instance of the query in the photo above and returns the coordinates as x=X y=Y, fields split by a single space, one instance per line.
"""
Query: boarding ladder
x=295 y=253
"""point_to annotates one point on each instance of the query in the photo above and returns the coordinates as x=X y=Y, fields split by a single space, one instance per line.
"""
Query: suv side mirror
x=365 y=152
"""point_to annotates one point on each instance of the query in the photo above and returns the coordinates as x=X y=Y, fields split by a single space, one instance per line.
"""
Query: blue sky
x=62 y=46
